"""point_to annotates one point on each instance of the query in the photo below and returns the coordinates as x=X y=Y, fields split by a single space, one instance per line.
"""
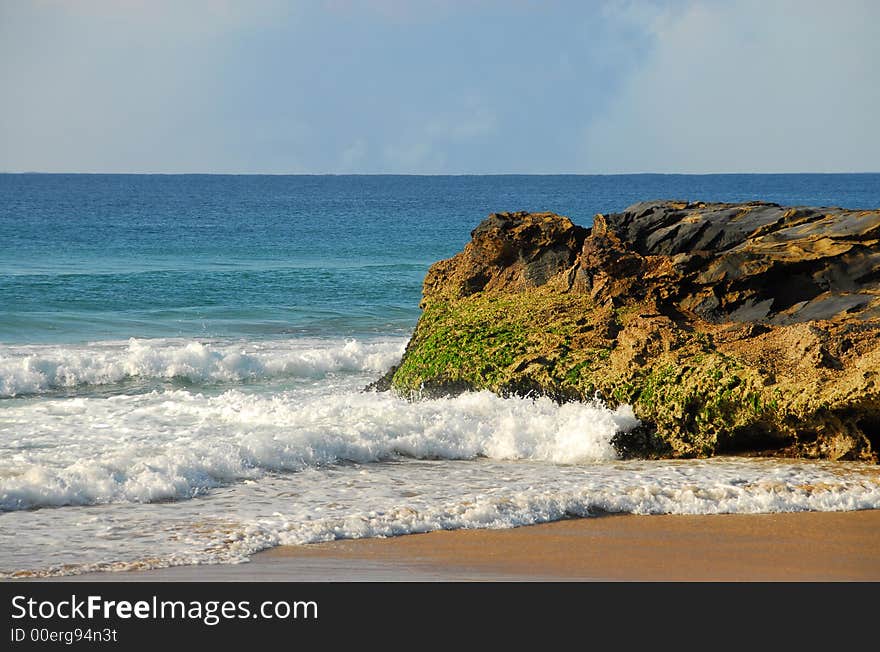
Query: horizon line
x=429 y=174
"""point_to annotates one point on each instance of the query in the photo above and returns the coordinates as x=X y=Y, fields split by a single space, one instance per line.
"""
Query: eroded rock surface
x=729 y=327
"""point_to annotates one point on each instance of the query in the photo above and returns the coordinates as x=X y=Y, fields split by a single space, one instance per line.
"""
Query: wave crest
x=28 y=370
x=176 y=445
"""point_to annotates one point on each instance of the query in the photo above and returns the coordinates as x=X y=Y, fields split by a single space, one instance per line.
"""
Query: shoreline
x=789 y=546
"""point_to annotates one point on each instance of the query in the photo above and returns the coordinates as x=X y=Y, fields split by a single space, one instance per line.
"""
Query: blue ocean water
x=182 y=360
x=86 y=257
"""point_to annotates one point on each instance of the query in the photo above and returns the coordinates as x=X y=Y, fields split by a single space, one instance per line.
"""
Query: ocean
x=182 y=360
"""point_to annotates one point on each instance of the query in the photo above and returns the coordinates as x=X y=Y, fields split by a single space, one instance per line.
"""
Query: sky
x=439 y=87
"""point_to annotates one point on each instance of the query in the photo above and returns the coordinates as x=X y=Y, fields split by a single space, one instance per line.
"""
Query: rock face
x=748 y=328
x=509 y=251
x=757 y=262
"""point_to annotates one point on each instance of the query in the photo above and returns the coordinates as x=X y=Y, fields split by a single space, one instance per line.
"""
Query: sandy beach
x=806 y=546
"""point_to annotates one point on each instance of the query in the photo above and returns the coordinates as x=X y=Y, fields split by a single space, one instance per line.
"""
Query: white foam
x=176 y=445
x=38 y=369
x=379 y=500
x=309 y=461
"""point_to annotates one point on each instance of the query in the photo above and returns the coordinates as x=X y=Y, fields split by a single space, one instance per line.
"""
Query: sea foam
x=38 y=369
x=174 y=445
x=409 y=496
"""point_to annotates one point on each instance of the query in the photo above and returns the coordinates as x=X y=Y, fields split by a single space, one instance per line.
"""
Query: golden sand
x=839 y=546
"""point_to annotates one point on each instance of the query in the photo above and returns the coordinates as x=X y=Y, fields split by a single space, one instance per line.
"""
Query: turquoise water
x=182 y=361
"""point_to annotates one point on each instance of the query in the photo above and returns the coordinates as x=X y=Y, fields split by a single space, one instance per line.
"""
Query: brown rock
x=512 y=251
x=729 y=327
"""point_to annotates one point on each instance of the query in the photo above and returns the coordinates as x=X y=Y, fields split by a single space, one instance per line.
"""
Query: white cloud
x=748 y=86
x=424 y=149
x=473 y=121
x=173 y=15
x=419 y=157
x=354 y=156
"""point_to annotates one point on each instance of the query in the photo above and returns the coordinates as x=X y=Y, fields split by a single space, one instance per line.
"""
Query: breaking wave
x=26 y=370
x=175 y=445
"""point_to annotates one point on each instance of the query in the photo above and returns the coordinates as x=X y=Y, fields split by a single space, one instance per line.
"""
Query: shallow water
x=182 y=359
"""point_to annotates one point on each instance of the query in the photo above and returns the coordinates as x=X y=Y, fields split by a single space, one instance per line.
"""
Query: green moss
x=483 y=341
x=700 y=409
x=697 y=400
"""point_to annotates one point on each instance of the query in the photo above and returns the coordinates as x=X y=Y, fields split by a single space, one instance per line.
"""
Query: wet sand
x=805 y=546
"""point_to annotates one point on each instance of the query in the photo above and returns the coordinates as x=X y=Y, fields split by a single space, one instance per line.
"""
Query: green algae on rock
x=747 y=328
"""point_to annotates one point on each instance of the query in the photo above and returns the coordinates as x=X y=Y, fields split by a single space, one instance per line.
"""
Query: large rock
x=758 y=261
x=728 y=327
x=508 y=251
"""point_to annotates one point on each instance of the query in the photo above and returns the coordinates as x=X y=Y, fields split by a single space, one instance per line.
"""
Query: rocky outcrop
x=748 y=328
x=508 y=252
x=755 y=262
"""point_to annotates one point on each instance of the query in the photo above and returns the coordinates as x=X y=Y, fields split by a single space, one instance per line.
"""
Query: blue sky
x=387 y=86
